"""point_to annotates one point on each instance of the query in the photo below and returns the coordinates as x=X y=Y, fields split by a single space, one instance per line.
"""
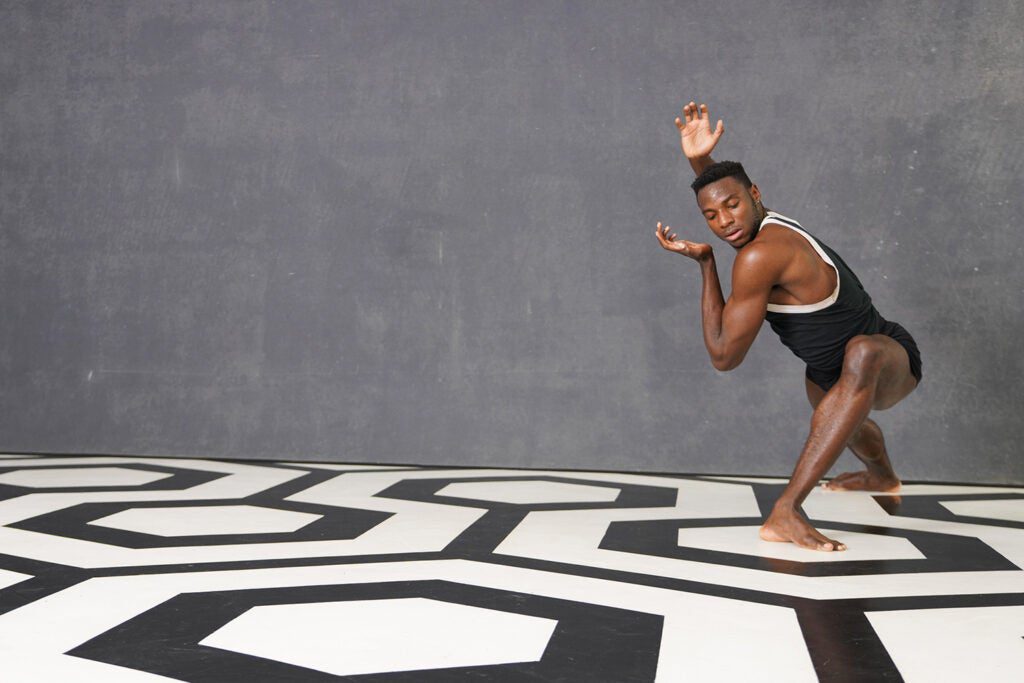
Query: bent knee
x=864 y=356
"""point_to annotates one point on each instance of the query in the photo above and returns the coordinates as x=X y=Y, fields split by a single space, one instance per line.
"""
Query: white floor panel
x=80 y=477
x=9 y=578
x=352 y=467
x=1011 y=510
x=531 y=492
x=745 y=541
x=747 y=480
x=213 y=520
x=376 y=636
x=954 y=644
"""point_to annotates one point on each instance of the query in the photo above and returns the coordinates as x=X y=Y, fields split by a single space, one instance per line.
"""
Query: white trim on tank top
x=803 y=308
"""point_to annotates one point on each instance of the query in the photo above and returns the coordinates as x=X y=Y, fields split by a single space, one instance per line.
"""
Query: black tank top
x=817 y=333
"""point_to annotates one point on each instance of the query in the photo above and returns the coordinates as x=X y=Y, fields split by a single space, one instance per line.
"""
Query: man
x=856 y=360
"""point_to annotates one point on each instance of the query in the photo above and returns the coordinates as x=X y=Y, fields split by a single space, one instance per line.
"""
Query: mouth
x=734 y=235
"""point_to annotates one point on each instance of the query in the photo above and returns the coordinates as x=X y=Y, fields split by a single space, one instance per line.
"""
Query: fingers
x=719 y=129
x=668 y=239
x=694 y=112
x=690 y=112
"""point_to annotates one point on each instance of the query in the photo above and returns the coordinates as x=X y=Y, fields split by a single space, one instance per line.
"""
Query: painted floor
x=154 y=569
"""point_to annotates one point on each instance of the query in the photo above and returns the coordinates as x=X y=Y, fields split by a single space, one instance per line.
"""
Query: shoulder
x=770 y=251
x=758 y=267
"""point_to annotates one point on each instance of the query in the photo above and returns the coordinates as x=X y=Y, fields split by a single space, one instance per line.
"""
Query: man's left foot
x=786 y=525
x=864 y=481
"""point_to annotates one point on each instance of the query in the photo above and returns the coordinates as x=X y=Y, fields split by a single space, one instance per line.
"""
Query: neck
x=761 y=217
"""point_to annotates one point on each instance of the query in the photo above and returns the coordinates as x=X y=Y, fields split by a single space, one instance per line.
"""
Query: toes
x=823 y=543
x=829 y=545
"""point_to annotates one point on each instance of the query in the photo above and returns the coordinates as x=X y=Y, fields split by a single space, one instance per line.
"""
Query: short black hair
x=719 y=170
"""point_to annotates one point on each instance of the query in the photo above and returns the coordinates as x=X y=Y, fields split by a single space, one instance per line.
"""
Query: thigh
x=895 y=381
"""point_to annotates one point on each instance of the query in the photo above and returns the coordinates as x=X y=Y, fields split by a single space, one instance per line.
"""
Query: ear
x=754 y=192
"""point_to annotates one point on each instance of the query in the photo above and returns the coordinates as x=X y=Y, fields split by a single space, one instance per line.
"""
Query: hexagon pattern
x=531 y=492
x=79 y=477
x=206 y=520
x=122 y=569
x=745 y=541
x=377 y=636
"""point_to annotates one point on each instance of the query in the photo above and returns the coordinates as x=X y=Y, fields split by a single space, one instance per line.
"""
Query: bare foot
x=789 y=526
x=864 y=481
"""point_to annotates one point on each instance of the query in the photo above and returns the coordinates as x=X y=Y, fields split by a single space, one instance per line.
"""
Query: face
x=731 y=210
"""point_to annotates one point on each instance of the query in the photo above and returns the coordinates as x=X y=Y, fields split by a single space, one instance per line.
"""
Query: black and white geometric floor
x=149 y=569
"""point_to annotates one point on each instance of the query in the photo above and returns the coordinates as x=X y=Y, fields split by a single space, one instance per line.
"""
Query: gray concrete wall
x=424 y=231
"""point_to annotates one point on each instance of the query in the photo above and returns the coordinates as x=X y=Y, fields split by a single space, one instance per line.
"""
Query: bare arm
x=699 y=164
x=696 y=136
x=730 y=327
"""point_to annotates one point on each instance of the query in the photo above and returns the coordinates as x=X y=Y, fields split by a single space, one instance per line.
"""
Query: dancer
x=856 y=360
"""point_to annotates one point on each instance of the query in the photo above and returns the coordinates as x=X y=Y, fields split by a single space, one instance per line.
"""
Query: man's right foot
x=789 y=526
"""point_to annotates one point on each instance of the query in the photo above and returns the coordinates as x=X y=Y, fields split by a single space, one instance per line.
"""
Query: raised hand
x=695 y=250
x=695 y=132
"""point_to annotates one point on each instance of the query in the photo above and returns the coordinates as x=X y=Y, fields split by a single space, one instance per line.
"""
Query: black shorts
x=826 y=378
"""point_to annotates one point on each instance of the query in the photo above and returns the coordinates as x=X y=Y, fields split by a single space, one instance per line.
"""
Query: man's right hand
x=697 y=251
x=695 y=132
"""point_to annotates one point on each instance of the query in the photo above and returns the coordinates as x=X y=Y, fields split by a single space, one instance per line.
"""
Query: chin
x=741 y=241
x=746 y=239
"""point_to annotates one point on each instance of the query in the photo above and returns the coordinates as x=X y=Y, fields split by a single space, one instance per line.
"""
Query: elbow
x=726 y=364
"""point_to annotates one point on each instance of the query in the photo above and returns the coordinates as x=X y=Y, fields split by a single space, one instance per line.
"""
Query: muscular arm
x=730 y=327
